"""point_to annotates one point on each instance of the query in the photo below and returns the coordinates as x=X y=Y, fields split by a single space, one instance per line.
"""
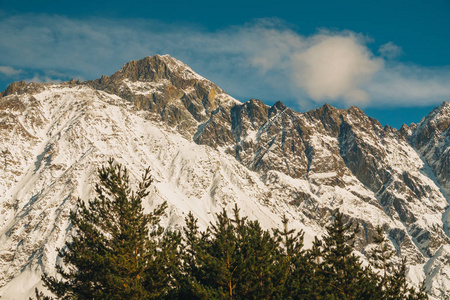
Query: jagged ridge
x=270 y=160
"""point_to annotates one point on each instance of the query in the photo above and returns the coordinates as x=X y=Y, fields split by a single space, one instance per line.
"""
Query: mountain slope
x=208 y=151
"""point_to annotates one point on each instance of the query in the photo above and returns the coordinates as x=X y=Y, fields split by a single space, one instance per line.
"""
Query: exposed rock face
x=21 y=87
x=326 y=147
x=167 y=87
x=437 y=273
x=431 y=137
x=270 y=160
x=13 y=88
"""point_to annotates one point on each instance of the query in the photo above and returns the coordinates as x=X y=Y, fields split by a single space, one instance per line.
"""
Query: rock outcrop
x=167 y=87
x=209 y=151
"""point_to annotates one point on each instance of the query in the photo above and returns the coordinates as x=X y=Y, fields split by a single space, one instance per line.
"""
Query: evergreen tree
x=40 y=296
x=111 y=255
x=316 y=277
x=188 y=285
x=381 y=258
x=398 y=288
x=341 y=271
x=233 y=259
x=259 y=268
x=114 y=255
x=392 y=284
x=297 y=268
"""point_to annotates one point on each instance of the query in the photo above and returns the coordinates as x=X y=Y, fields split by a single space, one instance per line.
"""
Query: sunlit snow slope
x=208 y=151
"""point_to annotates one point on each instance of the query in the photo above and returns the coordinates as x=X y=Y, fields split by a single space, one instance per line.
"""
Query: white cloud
x=390 y=50
x=406 y=85
x=263 y=59
x=334 y=67
x=42 y=79
x=9 y=71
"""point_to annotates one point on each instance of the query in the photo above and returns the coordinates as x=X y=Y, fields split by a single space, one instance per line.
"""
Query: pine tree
x=40 y=296
x=381 y=259
x=190 y=270
x=381 y=256
x=342 y=273
x=297 y=268
x=258 y=270
x=392 y=284
x=316 y=277
x=111 y=255
x=233 y=259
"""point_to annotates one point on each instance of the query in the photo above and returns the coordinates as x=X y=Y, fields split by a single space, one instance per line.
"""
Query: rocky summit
x=208 y=151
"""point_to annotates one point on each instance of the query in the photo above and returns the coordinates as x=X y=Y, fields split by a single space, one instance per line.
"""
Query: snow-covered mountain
x=208 y=151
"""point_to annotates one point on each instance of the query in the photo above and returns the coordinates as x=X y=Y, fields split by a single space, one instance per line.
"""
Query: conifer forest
x=119 y=252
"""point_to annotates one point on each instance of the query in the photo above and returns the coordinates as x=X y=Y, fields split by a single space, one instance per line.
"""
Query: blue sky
x=391 y=58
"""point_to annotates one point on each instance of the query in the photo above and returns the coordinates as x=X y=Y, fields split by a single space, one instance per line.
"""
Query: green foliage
x=112 y=254
x=392 y=283
x=297 y=268
x=233 y=259
x=40 y=296
x=340 y=270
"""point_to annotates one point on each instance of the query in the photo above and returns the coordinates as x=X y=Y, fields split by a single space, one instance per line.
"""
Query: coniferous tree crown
x=112 y=251
x=119 y=252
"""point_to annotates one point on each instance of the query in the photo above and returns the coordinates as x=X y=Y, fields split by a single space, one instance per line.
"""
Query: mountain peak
x=437 y=121
x=155 y=68
x=168 y=88
x=269 y=160
x=19 y=87
x=13 y=88
x=442 y=109
x=325 y=111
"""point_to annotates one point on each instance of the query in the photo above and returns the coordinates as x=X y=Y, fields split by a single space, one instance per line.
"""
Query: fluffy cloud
x=264 y=59
x=334 y=67
x=404 y=85
x=9 y=71
x=390 y=50
x=42 y=79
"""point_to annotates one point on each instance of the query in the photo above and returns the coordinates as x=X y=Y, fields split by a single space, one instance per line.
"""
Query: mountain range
x=208 y=151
